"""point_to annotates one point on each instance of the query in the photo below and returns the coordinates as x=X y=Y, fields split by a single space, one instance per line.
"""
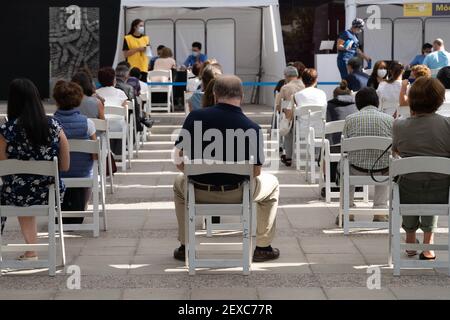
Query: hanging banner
x=418 y=9
x=74 y=41
x=441 y=9
x=426 y=9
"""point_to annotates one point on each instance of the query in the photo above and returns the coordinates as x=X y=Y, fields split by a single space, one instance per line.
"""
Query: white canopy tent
x=399 y=38
x=243 y=35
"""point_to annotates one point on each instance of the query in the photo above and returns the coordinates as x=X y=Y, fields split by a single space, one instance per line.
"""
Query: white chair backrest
x=41 y=168
x=117 y=111
x=100 y=125
x=334 y=126
x=365 y=143
x=160 y=73
x=303 y=111
x=419 y=164
x=84 y=146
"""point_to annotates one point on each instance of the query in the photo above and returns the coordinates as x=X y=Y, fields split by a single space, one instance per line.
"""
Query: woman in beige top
x=164 y=63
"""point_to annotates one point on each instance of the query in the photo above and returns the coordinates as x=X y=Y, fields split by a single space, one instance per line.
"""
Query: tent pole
x=350 y=12
x=256 y=89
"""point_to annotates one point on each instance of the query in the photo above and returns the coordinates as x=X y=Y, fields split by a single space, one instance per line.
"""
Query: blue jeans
x=342 y=66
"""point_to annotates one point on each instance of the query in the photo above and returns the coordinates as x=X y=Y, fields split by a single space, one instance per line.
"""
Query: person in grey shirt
x=425 y=133
x=90 y=106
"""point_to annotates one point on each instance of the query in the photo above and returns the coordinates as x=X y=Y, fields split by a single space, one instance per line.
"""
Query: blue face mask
x=411 y=80
x=195 y=53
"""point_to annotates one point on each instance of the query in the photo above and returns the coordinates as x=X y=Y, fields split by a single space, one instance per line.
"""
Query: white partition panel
x=186 y=32
x=160 y=32
x=437 y=28
x=378 y=42
x=221 y=43
x=407 y=39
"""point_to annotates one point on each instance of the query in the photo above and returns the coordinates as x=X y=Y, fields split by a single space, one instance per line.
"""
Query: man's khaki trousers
x=266 y=192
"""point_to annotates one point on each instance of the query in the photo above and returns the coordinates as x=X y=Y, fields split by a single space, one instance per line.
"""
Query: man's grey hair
x=290 y=72
x=122 y=72
x=228 y=87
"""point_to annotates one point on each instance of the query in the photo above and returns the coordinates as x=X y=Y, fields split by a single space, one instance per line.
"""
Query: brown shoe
x=264 y=255
x=180 y=253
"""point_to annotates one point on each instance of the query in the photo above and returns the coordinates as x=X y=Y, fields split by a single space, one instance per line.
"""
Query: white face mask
x=382 y=73
x=141 y=30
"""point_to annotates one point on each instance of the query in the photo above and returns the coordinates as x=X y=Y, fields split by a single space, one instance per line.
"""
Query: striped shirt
x=369 y=121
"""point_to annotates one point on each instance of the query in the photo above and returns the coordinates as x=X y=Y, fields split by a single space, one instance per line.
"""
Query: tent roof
x=362 y=2
x=198 y=3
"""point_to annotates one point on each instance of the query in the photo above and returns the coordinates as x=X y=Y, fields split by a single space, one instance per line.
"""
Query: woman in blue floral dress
x=29 y=135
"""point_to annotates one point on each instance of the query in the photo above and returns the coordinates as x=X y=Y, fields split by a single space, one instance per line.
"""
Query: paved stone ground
x=133 y=259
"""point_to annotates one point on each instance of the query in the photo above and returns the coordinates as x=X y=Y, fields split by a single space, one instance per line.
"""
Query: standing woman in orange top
x=135 y=47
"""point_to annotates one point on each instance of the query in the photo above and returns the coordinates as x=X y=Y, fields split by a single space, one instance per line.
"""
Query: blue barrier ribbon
x=245 y=84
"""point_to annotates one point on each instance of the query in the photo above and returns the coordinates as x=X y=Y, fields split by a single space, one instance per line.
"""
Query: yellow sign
x=418 y=9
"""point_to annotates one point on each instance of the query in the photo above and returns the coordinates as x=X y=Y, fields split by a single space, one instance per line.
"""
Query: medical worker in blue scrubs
x=348 y=46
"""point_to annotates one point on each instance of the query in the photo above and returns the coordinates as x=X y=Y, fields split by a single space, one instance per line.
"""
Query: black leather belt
x=214 y=188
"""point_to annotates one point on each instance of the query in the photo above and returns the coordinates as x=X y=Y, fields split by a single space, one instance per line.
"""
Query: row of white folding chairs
x=326 y=158
x=50 y=211
x=95 y=183
x=396 y=210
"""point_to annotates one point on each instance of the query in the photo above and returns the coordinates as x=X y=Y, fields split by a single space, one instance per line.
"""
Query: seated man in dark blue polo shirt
x=356 y=78
x=227 y=120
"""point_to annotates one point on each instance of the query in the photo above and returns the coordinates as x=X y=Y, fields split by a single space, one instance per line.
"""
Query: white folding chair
x=275 y=114
x=444 y=110
x=313 y=141
x=50 y=211
x=132 y=132
x=144 y=102
x=194 y=209
x=102 y=130
x=118 y=115
x=326 y=158
x=95 y=183
x=301 y=132
x=399 y=167
x=187 y=96
x=347 y=180
x=167 y=106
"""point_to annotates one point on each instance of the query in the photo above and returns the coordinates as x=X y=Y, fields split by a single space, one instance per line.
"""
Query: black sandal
x=287 y=162
x=423 y=257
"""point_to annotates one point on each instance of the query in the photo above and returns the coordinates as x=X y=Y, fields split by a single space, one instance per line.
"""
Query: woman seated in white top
x=389 y=91
x=165 y=62
x=113 y=97
x=310 y=96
